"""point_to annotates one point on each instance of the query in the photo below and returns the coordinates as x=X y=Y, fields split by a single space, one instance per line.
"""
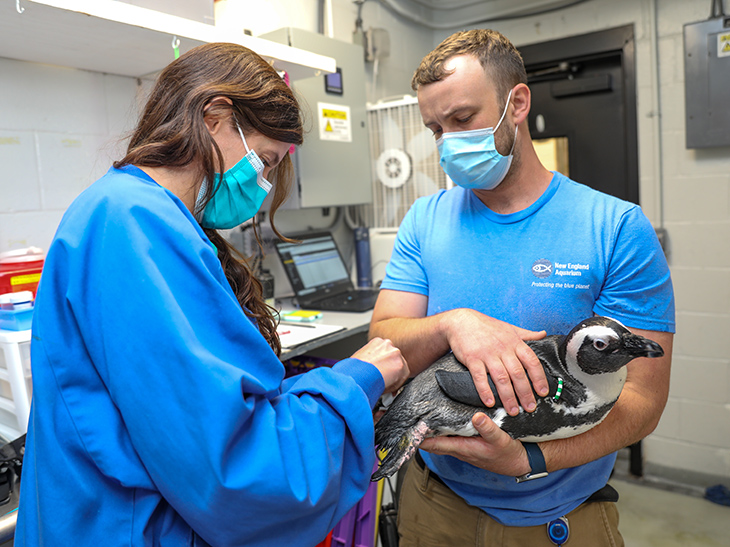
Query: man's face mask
x=470 y=158
x=238 y=193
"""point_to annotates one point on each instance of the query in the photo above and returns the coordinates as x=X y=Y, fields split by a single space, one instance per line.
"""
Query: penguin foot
x=402 y=450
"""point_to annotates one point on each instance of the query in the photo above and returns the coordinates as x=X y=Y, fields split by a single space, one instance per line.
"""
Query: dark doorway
x=584 y=90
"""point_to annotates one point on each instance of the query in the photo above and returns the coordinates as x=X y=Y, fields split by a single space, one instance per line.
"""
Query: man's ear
x=521 y=101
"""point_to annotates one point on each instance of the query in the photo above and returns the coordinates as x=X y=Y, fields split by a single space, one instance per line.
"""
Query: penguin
x=586 y=371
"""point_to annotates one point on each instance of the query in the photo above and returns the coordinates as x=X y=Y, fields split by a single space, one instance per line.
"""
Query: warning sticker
x=25 y=279
x=335 y=122
x=723 y=44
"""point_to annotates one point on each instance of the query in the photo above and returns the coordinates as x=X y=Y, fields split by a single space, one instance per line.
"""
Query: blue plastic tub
x=16 y=319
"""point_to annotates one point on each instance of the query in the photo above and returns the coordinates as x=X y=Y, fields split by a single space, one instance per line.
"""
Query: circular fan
x=405 y=161
x=393 y=167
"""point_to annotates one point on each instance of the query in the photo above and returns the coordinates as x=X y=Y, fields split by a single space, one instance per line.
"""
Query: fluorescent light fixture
x=174 y=25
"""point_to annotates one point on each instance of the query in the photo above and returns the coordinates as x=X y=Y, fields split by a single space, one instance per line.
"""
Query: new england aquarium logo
x=542 y=268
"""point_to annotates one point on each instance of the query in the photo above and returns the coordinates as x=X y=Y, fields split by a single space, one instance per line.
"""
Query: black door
x=583 y=88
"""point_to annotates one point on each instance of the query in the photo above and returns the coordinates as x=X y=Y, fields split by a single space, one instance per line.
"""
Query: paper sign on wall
x=335 y=122
x=723 y=44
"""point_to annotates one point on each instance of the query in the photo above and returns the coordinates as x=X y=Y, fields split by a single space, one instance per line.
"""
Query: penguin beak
x=638 y=346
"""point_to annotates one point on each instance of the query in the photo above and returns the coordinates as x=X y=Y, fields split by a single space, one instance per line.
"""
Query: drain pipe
x=657 y=113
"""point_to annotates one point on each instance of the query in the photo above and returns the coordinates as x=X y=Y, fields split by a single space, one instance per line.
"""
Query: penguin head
x=601 y=345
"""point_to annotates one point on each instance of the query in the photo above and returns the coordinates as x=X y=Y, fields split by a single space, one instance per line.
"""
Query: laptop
x=319 y=276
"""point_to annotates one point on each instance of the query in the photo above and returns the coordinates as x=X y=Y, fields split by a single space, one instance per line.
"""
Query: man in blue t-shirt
x=511 y=251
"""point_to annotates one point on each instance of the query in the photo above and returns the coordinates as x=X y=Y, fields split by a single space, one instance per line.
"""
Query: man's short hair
x=500 y=59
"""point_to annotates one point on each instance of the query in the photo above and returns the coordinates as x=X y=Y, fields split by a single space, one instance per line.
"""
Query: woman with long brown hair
x=160 y=415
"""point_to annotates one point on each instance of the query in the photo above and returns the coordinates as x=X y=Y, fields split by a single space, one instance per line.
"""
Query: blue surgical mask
x=238 y=193
x=471 y=159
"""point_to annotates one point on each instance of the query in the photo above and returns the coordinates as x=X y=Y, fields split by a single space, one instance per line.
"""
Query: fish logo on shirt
x=542 y=268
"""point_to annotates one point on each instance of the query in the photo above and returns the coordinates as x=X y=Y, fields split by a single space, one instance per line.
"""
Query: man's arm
x=483 y=344
x=633 y=417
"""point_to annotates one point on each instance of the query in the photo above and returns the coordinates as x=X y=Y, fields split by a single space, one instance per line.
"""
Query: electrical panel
x=707 y=82
x=333 y=166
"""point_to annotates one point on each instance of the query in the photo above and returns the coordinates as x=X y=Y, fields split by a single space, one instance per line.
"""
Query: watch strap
x=538 y=468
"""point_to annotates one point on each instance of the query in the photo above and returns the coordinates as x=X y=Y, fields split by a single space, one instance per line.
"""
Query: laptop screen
x=314 y=266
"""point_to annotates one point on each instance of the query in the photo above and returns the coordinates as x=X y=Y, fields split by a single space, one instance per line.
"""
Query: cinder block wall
x=59 y=129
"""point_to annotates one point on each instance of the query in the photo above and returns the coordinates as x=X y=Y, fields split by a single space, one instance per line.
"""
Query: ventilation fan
x=405 y=161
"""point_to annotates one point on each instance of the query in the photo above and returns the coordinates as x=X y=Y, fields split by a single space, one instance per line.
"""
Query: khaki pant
x=431 y=515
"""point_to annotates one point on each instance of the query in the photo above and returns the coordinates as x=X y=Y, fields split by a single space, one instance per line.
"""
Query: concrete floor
x=656 y=517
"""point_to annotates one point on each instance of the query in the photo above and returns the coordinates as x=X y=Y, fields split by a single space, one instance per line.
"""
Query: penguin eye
x=600 y=344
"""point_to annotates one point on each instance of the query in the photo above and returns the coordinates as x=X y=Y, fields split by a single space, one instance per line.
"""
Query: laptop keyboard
x=356 y=301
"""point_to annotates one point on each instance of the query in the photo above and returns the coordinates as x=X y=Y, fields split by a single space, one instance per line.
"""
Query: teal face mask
x=238 y=193
x=471 y=159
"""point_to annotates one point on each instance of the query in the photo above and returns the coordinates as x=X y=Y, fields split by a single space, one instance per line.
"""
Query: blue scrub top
x=159 y=416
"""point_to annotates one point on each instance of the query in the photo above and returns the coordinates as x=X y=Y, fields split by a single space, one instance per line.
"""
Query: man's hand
x=494 y=450
x=484 y=344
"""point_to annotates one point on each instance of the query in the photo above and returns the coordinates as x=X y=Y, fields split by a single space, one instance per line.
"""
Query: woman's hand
x=387 y=359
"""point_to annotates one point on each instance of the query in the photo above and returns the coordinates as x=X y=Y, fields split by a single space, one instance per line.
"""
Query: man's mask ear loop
x=506 y=107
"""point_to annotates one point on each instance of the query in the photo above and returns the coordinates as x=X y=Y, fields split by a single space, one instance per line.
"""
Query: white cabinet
x=125 y=39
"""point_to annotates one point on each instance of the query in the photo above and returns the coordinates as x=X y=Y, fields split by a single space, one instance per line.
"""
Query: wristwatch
x=538 y=469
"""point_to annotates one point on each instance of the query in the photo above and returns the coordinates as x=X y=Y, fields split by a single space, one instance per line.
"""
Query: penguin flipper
x=459 y=386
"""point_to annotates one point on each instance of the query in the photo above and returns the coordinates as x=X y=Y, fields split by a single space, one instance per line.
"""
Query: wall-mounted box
x=333 y=165
x=707 y=82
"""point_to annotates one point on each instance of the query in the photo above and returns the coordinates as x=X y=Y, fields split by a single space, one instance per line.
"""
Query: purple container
x=343 y=532
x=357 y=527
x=366 y=515
x=305 y=363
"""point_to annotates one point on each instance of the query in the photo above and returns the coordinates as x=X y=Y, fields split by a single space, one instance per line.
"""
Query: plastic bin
x=357 y=527
x=20 y=270
x=305 y=363
x=344 y=531
x=366 y=518
x=16 y=319
x=327 y=541
x=16 y=386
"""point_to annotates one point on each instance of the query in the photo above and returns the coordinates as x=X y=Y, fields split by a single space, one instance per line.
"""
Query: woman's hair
x=172 y=133
x=498 y=57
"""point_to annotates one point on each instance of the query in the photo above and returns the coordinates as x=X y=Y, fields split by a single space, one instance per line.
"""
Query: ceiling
x=450 y=14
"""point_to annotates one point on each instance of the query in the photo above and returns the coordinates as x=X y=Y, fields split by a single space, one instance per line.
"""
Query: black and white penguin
x=585 y=370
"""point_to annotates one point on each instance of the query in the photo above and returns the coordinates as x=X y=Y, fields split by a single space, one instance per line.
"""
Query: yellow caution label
x=337 y=114
x=9 y=140
x=723 y=44
x=26 y=279
x=335 y=122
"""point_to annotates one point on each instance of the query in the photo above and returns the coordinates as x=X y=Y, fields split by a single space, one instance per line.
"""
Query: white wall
x=58 y=129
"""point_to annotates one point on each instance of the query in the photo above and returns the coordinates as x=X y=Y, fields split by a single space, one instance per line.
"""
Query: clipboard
x=292 y=335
